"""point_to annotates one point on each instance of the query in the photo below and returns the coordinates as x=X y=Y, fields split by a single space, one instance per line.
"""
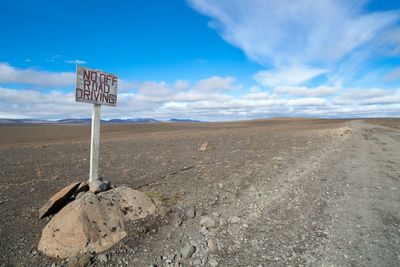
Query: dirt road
x=280 y=192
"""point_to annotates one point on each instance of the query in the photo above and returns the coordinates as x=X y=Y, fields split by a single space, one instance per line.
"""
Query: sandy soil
x=283 y=192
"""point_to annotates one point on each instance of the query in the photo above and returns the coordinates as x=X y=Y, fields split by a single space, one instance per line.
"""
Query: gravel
x=331 y=200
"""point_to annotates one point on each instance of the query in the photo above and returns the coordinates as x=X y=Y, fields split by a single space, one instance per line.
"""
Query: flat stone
x=235 y=219
x=211 y=246
x=213 y=263
x=102 y=257
x=94 y=222
x=204 y=147
x=58 y=200
x=187 y=251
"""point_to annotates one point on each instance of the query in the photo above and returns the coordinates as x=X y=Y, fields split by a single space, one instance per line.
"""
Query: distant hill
x=75 y=121
x=133 y=120
x=183 y=120
x=21 y=121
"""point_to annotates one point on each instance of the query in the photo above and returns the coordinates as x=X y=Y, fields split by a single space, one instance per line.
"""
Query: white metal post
x=94 y=143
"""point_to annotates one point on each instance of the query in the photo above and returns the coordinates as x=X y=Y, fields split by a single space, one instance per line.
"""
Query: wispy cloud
x=393 y=75
x=53 y=59
x=298 y=40
x=285 y=31
x=292 y=75
x=76 y=61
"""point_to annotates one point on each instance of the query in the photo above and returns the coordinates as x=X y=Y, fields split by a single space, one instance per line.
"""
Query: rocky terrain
x=279 y=192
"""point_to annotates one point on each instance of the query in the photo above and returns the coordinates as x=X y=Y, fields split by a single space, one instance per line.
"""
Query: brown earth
x=280 y=192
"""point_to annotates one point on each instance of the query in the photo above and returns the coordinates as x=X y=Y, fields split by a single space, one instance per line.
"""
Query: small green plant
x=158 y=197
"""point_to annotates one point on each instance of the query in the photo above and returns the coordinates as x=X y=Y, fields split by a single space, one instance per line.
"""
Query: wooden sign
x=96 y=87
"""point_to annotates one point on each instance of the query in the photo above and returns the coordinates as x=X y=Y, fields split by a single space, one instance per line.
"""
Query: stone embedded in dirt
x=211 y=247
x=216 y=214
x=344 y=131
x=102 y=258
x=187 y=251
x=205 y=146
x=98 y=186
x=213 y=262
x=178 y=223
x=58 y=200
x=235 y=219
x=190 y=213
x=204 y=230
x=80 y=260
x=94 y=222
x=208 y=222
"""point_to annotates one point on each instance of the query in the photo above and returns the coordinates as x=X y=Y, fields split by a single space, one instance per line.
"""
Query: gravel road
x=265 y=193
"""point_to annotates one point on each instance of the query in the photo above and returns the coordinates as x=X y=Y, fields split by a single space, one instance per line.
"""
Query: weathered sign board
x=96 y=87
x=99 y=88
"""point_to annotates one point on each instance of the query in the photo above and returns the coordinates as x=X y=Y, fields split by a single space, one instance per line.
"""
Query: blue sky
x=203 y=59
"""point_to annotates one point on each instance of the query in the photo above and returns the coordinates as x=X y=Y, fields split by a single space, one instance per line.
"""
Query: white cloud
x=31 y=76
x=155 y=91
x=195 y=104
x=373 y=96
x=213 y=98
x=311 y=101
x=181 y=90
x=76 y=61
x=10 y=74
x=305 y=91
x=181 y=85
x=289 y=76
x=357 y=94
x=216 y=83
x=34 y=104
x=257 y=96
x=125 y=85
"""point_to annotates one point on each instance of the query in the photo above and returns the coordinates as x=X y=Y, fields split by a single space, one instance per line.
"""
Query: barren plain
x=281 y=192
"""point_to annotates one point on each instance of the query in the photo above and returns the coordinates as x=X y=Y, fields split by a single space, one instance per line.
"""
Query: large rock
x=58 y=200
x=93 y=223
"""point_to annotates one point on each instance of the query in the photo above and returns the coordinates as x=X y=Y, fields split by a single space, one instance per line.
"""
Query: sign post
x=95 y=143
x=98 y=88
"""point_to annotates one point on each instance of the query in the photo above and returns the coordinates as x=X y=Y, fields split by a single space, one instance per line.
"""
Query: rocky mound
x=94 y=222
